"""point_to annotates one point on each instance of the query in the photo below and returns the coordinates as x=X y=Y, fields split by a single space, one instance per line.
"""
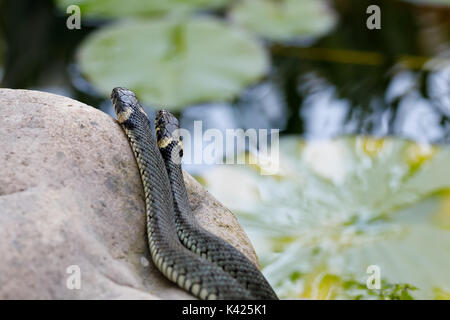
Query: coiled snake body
x=188 y=255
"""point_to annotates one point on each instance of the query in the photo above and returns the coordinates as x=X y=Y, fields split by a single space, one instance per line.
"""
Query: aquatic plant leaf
x=173 y=62
x=337 y=207
x=138 y=8
x=284 y=19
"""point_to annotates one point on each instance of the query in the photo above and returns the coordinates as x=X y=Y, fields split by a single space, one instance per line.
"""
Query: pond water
x=348 y=80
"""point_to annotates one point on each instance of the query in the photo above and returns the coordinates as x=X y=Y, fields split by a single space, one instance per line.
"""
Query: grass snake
x=185 y=253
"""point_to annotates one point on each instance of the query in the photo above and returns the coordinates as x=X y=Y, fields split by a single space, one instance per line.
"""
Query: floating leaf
x=441 y=294
x=173 y=63
x=284 y=19
x=337 y=207
x=137 y=8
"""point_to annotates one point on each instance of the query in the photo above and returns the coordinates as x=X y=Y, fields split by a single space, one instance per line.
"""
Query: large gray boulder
x=71 y=200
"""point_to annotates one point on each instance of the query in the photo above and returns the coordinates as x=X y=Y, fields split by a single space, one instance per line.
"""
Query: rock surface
x=70 y=195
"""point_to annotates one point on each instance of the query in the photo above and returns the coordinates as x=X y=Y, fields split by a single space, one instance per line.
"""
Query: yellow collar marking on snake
x=164 y=142
x=143 y=111
x=124 y=115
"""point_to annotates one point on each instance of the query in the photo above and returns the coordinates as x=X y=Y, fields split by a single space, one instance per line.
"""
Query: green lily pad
x=138 y=8
x=337 y=207
x=284 y=19
x=173 y=63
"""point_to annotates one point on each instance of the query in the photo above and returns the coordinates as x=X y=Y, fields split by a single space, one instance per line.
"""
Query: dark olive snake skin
x=188 y=255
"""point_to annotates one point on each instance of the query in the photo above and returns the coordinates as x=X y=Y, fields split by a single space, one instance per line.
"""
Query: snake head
x=166 y=126
x=124 y=102
x=167 y=131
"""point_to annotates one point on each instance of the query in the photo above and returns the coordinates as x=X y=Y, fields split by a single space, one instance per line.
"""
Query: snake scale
x=184 y=252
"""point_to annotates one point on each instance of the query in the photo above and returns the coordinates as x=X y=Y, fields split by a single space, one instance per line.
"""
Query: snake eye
x=181 y=153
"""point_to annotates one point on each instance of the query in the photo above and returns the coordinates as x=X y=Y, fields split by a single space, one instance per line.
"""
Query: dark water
x=352 y=80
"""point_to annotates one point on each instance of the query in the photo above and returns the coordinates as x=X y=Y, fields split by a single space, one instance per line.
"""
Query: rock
x=70 y=195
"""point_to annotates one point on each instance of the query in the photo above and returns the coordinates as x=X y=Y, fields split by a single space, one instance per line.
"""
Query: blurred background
x=364 y=119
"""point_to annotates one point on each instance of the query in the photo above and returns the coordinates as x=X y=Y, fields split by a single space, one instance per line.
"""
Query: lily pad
x=138 y=8
x=337 y=207
x=284 y=19
x=173 y=62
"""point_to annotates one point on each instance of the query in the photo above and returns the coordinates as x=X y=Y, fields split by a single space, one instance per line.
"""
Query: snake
x=188 y=255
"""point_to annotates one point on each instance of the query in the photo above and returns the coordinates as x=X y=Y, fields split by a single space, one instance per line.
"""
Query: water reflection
x=217 y=116
x=325 y=114
x=439 y=88
x=417 y=119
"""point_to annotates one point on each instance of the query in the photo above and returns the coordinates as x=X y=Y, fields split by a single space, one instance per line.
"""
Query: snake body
x=185 y=253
